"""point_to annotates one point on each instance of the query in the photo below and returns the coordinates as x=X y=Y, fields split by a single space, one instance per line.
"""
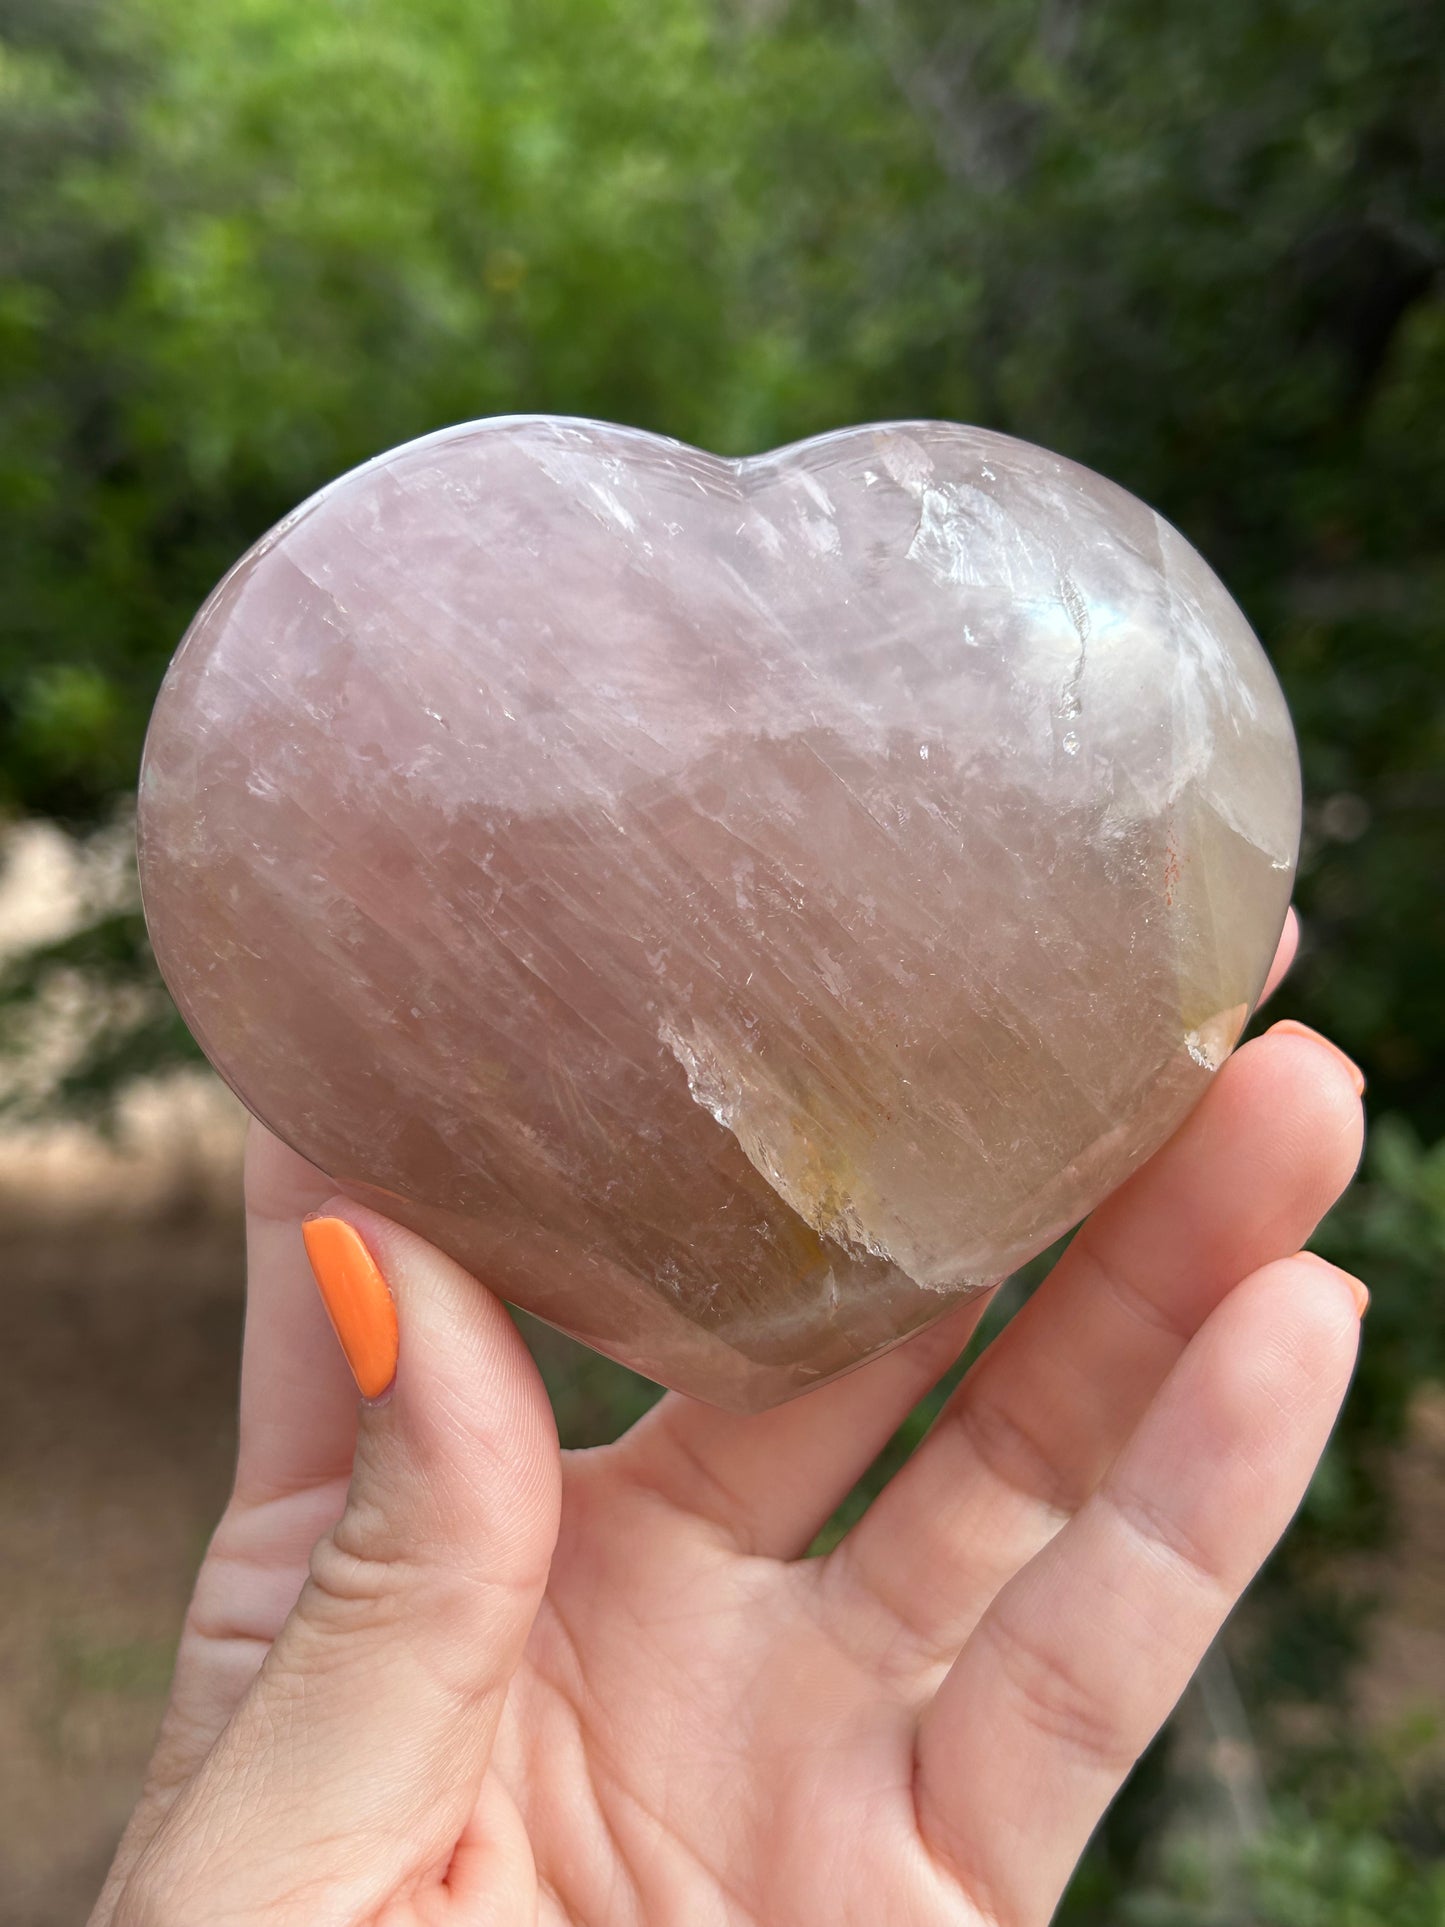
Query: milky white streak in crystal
x=736 y=908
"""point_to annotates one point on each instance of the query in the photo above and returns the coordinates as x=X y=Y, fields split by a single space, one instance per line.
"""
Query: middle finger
x=1033 y=1428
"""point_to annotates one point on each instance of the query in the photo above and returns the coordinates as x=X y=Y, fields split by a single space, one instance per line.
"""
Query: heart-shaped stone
x=736 y=907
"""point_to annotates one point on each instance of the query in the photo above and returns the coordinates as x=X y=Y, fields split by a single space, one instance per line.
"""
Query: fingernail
x=1358 y=1291
x=356 y=1299
x=1291 y=1028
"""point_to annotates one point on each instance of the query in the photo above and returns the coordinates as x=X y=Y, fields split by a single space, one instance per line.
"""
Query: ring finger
x=1032 y=1430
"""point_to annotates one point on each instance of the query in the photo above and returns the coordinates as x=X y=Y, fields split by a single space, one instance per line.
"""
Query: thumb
x=353 y=1764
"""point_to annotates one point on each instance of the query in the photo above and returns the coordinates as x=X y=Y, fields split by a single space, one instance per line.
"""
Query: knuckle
x=1133 y=1298
x=1006 y=1449
x=1167 y=1538
x=364 y=1583
x=1058 y=1701
x=353 y=1582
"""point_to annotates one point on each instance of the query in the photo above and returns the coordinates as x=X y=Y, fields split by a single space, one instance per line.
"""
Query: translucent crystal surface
x=734 y=907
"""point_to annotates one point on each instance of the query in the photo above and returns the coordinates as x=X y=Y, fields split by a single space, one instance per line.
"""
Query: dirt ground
x=121 y=1277
x=117 y=1427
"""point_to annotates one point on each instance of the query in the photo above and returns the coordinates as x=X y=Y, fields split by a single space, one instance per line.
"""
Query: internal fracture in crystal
x=736 y=907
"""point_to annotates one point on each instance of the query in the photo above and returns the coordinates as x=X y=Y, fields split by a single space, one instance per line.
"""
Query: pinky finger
x=1079 y=1660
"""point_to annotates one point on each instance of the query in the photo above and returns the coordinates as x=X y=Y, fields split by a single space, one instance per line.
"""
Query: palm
x=766 y=1756
x=925 y=1724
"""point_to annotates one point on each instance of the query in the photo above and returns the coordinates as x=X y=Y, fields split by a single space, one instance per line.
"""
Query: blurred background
x=248 y=243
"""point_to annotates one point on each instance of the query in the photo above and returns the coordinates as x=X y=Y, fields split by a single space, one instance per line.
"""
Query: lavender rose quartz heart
x=735 y=907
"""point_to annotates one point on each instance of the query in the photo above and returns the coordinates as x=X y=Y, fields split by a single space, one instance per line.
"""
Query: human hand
x=436 y=1673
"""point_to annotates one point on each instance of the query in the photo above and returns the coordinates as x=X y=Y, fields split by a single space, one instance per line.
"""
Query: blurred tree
x=251 y=242
x=257 y=241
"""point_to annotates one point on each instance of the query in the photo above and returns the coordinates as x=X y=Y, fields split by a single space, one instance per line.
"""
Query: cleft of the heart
x=737 y=908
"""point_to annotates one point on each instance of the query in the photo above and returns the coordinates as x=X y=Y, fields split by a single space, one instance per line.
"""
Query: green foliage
x=1366 y=1852
x=256 y=241
x=1390 y=1230
x=251 y=242
x=134 y=1027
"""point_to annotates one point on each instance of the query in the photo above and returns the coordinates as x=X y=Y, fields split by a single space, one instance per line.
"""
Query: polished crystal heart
x=735 y=907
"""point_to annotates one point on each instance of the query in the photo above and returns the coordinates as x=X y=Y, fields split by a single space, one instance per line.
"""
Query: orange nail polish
x=1291 y=1027
x=356 y=1299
